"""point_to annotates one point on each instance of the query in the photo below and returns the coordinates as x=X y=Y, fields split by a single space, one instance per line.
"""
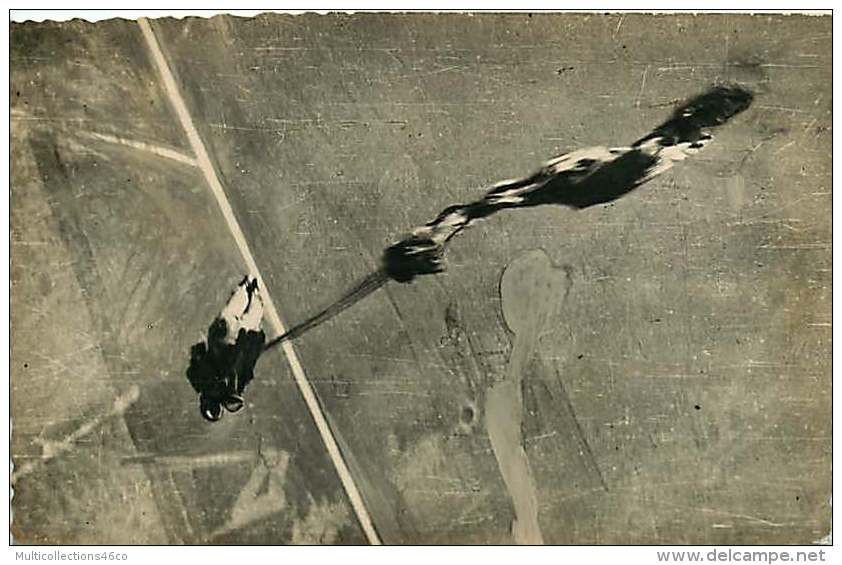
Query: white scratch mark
x=727 y=513
x=642 y=87
x=783 y=109
x=784 y=147
x=617 y=30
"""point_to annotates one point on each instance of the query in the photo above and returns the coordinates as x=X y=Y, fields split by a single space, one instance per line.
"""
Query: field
x=676 y=391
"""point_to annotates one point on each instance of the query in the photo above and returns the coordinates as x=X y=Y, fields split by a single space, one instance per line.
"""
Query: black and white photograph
x=421 y=278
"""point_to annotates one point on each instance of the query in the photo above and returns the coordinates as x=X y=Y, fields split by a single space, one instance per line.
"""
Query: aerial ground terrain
x=671 y=349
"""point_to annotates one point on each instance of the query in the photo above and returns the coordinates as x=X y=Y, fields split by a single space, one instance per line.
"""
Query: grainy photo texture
x=422 y=279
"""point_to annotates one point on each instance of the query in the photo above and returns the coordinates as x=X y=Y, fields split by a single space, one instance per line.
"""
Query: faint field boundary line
x=51 y=449
x=204 y=163
x=158 y=150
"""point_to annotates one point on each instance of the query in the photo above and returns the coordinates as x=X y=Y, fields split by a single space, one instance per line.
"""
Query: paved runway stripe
x=204 y=163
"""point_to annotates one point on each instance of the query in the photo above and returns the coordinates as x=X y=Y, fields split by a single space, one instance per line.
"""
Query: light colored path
x=51 y=449
x=158 y=150
x=204 y=163
x=529 y=291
